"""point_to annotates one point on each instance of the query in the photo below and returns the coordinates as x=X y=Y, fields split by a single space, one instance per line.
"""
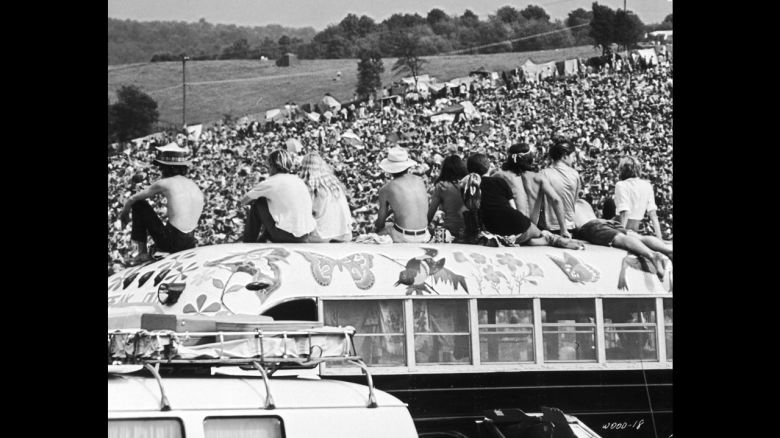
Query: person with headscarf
x=329 y=201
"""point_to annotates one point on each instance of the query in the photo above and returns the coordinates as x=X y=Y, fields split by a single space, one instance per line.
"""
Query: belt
x=410 y=232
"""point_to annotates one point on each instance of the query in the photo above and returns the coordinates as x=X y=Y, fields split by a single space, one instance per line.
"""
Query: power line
x=514 y=39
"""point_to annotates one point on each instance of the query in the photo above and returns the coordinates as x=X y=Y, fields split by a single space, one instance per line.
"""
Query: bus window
x=242 y=427
x=506 y=330
x=668 y=327
x=629 y=327
x=569 y=329
x=380 y=328
x=298 y=310
x=145 y=427
x=441 y=331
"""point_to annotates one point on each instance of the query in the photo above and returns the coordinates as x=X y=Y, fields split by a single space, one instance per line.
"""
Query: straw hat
x=397 y=161
x=172 y=155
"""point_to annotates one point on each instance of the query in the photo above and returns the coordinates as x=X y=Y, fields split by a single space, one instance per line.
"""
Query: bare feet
x=659 y=261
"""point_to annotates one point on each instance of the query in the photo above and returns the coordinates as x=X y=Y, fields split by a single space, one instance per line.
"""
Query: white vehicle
x=187 y=403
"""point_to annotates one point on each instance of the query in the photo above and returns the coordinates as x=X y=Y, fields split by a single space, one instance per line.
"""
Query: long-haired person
x=446 y=195
x=329 y=201
x=281 y=205
x=634 y=197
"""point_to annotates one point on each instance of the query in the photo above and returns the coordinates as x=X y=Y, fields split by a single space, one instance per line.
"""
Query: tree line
x=435 y=33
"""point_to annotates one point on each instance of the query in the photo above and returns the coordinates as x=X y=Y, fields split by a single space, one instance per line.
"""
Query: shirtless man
x=407 y=198
x=611 y=233
x=184 y=202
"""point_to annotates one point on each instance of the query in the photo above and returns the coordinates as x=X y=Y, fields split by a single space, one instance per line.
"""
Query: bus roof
x=137 y=393
x=252 y=278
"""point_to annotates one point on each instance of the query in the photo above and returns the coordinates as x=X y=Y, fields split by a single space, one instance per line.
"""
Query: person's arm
x=656 y=224
x=317 y=203
x=557 y=206
x=257 y=191
x=155 y=188
x=434 y=205
x=379 y=224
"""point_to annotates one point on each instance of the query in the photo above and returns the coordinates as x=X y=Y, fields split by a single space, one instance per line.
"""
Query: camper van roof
x=252 y=278
x=136 y=393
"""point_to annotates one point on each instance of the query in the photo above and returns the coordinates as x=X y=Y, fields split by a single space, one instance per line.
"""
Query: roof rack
x=130 y=350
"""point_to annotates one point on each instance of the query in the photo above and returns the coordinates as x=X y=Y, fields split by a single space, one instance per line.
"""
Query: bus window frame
x=593 y=325
x=531 y=326
x=233 y=416
x=179 y=420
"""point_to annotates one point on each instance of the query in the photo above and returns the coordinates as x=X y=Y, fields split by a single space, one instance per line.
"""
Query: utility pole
x=624 y=5
x=184 y=60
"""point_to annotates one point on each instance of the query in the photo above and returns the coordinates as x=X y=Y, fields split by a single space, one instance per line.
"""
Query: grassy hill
x=244 y=87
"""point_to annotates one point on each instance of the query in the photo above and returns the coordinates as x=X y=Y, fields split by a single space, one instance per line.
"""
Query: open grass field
x=216 y=88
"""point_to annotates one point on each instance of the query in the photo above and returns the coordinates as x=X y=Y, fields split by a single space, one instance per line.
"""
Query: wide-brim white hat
x=397 y=161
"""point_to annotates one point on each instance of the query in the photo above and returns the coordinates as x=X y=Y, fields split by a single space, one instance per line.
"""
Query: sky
x=320 y=13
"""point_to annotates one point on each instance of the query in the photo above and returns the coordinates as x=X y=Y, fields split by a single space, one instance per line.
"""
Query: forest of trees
x=435 y=33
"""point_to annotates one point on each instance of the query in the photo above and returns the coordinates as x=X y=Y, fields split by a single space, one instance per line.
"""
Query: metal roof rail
x=265 y=351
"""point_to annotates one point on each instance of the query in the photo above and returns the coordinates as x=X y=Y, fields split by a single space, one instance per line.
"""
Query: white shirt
x=334 y=220
x=635 y=196
x=289 y=202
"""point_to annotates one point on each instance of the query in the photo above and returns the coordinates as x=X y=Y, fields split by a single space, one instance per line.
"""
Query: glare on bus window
x=242 y=427
x=441 y=332
x=506 y=330
x=145 y=427
x=569 y=329
x=380 y=328
x=630 y=329
x=668 y=327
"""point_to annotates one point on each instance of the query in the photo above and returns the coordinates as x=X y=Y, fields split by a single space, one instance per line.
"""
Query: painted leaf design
x=187 y=255
x=459 y=257
x=189 y=309
x=234 y=288
x=129 y=280
x=144 y=278
x=161 y=276
x=535 y=270
x=200 y=300
x=532 y=281
x=213 y=307
x=191 y=266
x=218 y=283
x=166 y=265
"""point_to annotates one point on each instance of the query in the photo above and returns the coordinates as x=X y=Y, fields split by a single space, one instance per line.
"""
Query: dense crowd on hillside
x=606 y=116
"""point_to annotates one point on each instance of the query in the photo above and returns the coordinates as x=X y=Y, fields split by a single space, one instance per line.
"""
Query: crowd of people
x=603 y=117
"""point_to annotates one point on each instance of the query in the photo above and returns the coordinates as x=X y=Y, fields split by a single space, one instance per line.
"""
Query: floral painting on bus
x=575 y=269
x=505 y=274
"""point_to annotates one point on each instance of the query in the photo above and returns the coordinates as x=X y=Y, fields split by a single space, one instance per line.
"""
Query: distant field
x=257 y=86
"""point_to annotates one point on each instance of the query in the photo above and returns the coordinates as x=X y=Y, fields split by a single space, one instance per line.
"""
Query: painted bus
x=452 y=330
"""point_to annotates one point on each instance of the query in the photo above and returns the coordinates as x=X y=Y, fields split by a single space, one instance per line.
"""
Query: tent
x=329 y=103
x=420 y=79
x=480 y=72
x=569 y=67
x=547 y=70
x=530 y=71
x=648 y=55
x=314 y=117
x=274 y=114
x=294 y=145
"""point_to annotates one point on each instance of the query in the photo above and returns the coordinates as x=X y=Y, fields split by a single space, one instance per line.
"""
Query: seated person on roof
x=407 y=197
x=184 y=204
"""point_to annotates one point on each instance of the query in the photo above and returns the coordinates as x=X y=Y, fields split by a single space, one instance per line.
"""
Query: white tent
x=331 y=103
x=648 y=55
x=351 y=138
x=469 y=111
x=194 y=132
x=443 y=118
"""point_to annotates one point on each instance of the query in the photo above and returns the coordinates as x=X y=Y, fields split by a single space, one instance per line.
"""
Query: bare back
x=533 y=190
x=185 y=202
x=408 y=199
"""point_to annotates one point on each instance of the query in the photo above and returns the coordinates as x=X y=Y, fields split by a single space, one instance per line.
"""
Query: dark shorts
x=600 y=232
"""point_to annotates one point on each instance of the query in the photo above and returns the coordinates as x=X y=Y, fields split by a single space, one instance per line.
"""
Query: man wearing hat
x=407 y=199
x=184 y=202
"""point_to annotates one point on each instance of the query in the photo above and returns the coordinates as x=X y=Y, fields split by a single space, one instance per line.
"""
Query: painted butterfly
x=358 y=265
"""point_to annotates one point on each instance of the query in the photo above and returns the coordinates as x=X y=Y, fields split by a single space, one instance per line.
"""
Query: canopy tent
x=420 y=79
x=648 y=55
x=274 y=114
x=194 y=131
x=443 y=118
x=568 y=67
x=482 y=71
x=314 y=117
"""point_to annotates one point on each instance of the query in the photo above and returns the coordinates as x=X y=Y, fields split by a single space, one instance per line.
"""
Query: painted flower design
x=478 y=258
x=459 y=257
x=493 y=275
x=198 y=308
x=119 y=280
x=510 y=261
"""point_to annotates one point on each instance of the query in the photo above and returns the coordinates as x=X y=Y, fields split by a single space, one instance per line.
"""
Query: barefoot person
x=611 y=233
x=406 y=198
x=184 y=202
